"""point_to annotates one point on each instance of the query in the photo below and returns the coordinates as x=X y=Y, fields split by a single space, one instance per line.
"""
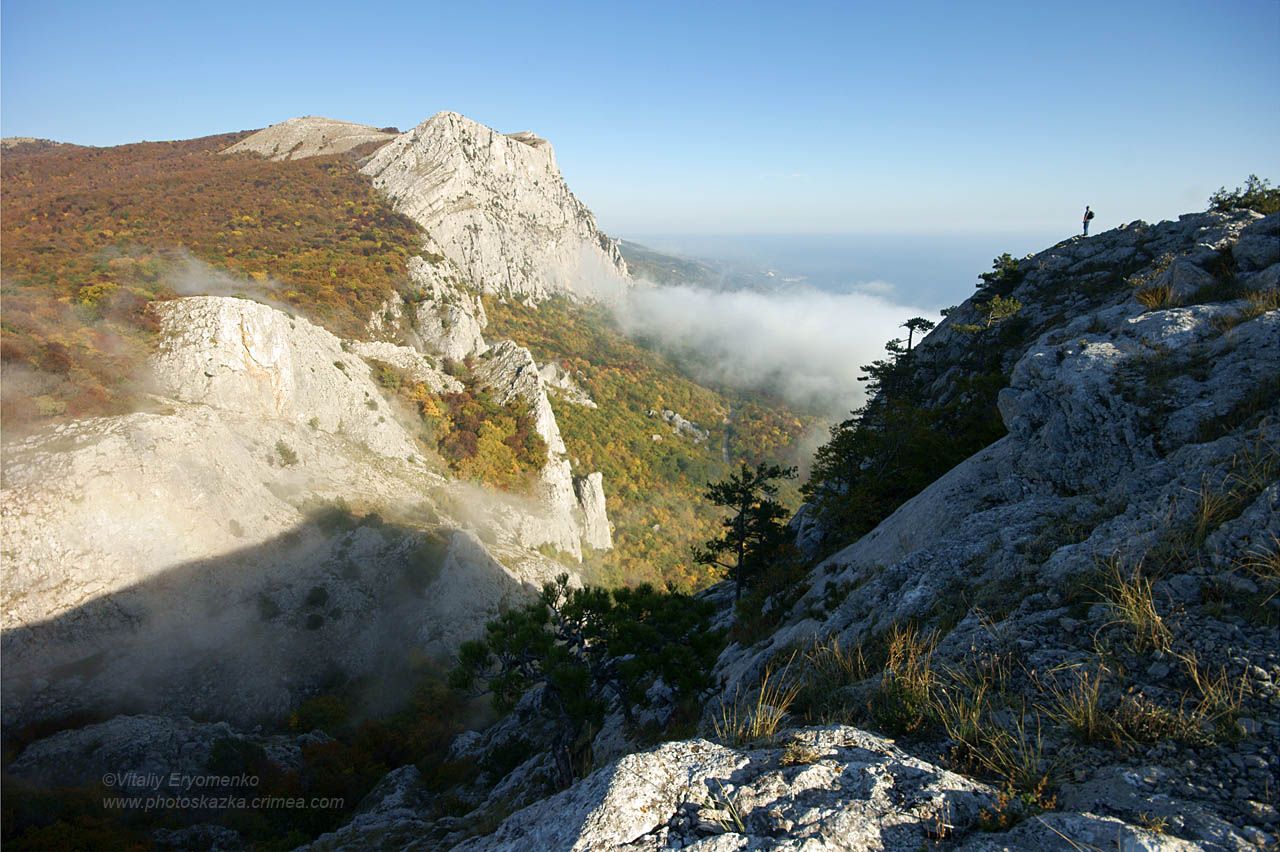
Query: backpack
x=1089 y=215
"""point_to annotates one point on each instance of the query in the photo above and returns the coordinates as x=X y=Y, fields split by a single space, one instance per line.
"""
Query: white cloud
x=808 y=346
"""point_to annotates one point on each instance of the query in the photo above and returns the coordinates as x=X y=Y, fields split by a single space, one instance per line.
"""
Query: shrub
x=584 y=647
x=1256 y=194
x=287 y=456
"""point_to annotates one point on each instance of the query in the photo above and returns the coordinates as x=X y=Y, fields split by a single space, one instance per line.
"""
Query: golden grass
x=1079 y=708
x=1262 y=562
x=901 y=703
x=1156 y=297
x=1132 y=603
x=757 y=716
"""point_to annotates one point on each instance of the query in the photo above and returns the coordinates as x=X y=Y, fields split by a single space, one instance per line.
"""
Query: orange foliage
x=89 y=233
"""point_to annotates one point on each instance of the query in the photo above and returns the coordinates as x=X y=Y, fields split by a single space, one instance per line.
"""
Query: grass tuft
x=1079 y=708
x=1132 y=604
x=902 y=701
x=1156 y=297
x=757 y=716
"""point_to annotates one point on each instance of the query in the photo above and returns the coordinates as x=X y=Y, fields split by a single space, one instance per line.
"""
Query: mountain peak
x=496 y=205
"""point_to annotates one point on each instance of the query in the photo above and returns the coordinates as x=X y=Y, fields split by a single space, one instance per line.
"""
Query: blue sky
x=797 y=117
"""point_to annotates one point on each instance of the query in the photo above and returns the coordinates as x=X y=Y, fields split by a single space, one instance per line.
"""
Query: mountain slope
x=1080 y=620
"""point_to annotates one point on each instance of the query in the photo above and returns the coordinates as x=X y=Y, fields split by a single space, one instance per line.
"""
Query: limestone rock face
x=200 y=558
x=1259 y=245
x=448 y=319
x=513 y=375
x=308 y=136
x=254 y=360
x=498 y=208
x=560 y=383
x=416 y=366
x=595 y=525
x=1123 y=424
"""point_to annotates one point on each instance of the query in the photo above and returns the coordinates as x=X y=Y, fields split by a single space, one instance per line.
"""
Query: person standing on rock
x=1088 y=214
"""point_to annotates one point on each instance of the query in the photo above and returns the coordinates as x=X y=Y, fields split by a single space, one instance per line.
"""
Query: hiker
x=1088 y=214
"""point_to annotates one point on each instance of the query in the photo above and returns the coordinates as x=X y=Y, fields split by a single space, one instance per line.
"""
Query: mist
x=806 y=346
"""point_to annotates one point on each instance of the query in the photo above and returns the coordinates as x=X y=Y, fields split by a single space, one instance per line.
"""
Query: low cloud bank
x=808 y=346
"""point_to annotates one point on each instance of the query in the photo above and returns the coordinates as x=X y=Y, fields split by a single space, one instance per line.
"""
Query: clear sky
x=700 y=117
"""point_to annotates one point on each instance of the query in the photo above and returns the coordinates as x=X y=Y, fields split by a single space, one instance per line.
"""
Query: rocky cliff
x=272 y=503
x=498 y=209
x=219 y=521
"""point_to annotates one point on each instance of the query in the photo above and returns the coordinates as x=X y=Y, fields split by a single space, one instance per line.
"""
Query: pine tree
x=755 y=531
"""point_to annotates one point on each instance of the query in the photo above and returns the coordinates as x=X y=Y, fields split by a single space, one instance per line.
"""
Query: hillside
x=1066 y=640
x=326 y=463
x=93 y=235
x=276 y=446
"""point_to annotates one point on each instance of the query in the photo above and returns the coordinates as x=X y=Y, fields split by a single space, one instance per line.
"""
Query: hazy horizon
x=811 y=117
x=930 y=271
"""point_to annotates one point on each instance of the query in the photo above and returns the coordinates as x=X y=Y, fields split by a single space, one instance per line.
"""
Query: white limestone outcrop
x=448 y=318
x=308 y=136
x=498 y=208
x=596 y=532
x=510 y=371
x=199 y=557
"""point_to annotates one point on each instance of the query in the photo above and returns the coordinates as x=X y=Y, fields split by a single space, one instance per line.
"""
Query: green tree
x=999 y=308
x=584 y=647
x=755 y=530
x=915 y=324
x=1256 y=194
x=1006 y=273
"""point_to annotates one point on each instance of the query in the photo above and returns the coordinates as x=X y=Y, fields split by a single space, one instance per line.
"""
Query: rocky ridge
x=262 y=422
x=265 y=429
x=1140 y=390
x=308 y=136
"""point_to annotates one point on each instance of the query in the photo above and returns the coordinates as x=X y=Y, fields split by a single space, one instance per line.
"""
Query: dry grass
x=757 y=716
x=1156 y=297
x=962 y=708
x=1132 y=604
x=1262 y=562
x=1206 y=716
x=829 y=663
x=828 y=668
x=1218 y=698
x=902 y=702
x=1079 y=708
x=1251 y=470
x=1261 y=302
x=1153 y=823
x=1257 y=303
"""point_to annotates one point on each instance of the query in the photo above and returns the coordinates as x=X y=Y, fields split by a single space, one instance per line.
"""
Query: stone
x=448 y=319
